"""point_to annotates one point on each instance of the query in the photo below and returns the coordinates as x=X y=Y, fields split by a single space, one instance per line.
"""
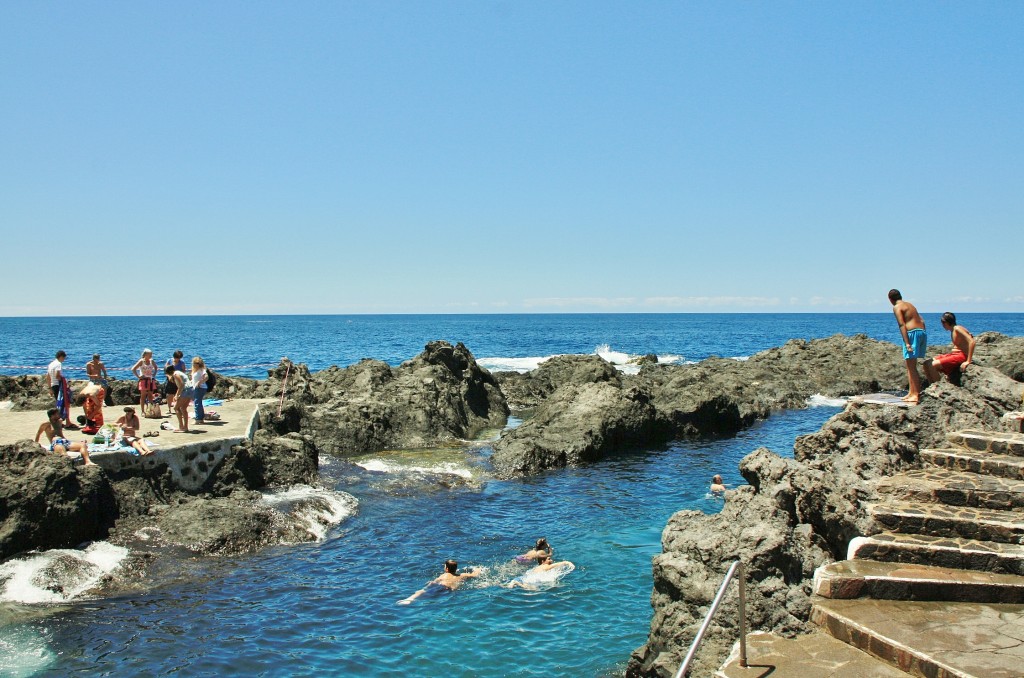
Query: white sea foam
x=818 y=400
x=624 y=362
x=318 y=509
x=58 y=575
x=612 y=356
x=440 y=468
x=520 y=365
x=23 y=652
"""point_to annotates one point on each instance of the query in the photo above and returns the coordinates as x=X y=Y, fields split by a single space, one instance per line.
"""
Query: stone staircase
x=939 y=592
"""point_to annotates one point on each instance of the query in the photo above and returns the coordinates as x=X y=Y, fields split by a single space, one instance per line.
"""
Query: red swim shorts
x=947 y=361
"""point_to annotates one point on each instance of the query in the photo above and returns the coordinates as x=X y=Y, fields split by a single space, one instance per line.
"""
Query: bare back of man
x=907 y=316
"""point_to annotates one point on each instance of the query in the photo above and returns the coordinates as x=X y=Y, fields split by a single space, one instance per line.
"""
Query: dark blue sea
x=246 y=345
x=329 y=607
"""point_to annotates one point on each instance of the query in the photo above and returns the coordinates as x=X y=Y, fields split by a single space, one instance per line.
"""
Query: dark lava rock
x=224 y=526
x=717 y=396
x=267 y=461
x=797 y=514
x=440 y=395
x=527 y=391
x=46 y=502
x=723 y=396
x=26 y=392
x=576 y=424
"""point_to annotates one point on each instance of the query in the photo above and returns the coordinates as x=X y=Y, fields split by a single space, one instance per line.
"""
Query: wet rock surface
x=796 y=514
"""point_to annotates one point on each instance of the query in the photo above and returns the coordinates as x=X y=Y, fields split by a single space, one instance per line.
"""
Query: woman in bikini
x=129 y=424
x=145 y=371
x=542 y=548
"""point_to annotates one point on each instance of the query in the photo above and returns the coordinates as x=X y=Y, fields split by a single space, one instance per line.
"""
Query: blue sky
x=492 y=157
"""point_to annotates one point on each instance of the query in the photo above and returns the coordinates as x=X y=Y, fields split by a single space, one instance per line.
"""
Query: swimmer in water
x=544 y=563
x=447 y=581
x=717 y=486
x=542 y=548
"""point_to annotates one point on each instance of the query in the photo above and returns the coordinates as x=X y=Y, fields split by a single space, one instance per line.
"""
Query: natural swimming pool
x=330 y=607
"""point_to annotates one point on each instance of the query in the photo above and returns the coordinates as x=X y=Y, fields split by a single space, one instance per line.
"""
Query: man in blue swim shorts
x=53 y=429
x=915 y=341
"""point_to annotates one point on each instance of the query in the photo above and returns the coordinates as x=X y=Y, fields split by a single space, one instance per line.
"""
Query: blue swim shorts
x=60 y=441
x=918 y=344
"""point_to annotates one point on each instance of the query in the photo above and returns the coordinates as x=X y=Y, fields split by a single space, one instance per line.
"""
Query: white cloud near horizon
x=596 y=302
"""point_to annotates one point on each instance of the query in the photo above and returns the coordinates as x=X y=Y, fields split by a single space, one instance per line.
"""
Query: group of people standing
x=182 y=386
x=915 y=343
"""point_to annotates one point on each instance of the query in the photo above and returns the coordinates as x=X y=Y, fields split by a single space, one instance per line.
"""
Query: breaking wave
x=58 y=575
x=818 y=400
x=439 y=468
x=316 y=509
x=625 y=362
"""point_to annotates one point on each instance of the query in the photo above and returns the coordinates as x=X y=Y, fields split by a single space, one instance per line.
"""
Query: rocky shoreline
x=795 y=514
x=799 y=513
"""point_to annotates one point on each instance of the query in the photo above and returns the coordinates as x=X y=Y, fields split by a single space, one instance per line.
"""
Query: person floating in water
x=717 y=486
x=963 y=351
x=542 y=548
x=447 y=581
x=545 y=563
x=915 y=341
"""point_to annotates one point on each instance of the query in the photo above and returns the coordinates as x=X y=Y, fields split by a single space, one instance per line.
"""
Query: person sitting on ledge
x=129 y=423
x=449 y=580
x=54 y=430
x=963 y=351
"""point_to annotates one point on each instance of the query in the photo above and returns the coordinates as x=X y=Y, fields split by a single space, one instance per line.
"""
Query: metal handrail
x=736 y=567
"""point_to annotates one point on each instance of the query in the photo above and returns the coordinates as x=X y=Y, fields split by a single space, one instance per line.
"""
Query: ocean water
x=247 y=345
x=389 y=519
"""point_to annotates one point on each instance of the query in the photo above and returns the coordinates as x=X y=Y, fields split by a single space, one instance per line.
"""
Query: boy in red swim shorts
x=963 y=350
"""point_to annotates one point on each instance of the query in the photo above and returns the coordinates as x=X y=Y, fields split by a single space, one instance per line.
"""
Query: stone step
x=950 y=552
x=955 y=488
x=985 y=463
x=901 y=581
x=997 y=442
x=940 y=520
x=925 y=638
x=813 y=654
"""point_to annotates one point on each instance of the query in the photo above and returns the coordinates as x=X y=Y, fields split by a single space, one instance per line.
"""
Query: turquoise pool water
x=329 y=608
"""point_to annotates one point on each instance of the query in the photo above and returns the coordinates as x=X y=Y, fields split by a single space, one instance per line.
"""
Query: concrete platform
x=935 y=639
x=814 y=655
x=190 y=457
